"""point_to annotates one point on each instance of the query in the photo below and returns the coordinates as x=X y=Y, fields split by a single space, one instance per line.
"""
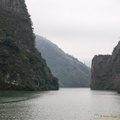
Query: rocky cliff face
x=17 y=22
x=21 y=65
x=16 y=6
x=106 y=71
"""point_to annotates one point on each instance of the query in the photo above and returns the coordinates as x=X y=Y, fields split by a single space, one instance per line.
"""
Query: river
x=65 y=104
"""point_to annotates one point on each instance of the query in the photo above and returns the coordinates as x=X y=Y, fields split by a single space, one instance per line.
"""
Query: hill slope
x=70 y=71
x=21 y=65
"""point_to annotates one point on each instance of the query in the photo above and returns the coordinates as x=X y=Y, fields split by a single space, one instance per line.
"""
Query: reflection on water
x=65 y=104
x=17 y=96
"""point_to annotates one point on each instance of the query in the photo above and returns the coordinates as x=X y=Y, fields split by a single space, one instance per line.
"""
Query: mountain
x=106 y=71
x=21 y=65
x=70 y=71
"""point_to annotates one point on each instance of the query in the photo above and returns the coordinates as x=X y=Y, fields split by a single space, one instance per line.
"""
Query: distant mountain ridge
x=69 y=70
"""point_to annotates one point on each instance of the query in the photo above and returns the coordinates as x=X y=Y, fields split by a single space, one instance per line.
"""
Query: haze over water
x=65 y=104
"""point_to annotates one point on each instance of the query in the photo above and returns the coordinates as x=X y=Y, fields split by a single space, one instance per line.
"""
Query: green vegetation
x=21 y=65
x=70 y=71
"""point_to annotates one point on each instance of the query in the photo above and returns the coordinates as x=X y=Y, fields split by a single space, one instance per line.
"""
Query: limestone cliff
x=106 y=71
x=21 y=65
x=16 y=6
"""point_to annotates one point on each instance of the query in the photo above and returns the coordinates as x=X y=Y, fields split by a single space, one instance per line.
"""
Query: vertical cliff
x=106 y=71
x=21 y=65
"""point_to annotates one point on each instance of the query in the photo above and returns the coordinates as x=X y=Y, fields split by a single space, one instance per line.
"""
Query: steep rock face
x=16 y=6
x=115 y=67
x=70 y=71
x=21 y=65
x=106 y=71
x=16 y=23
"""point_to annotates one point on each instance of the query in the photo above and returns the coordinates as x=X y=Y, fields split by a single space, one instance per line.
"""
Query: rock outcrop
x=106 y=71
x=16 y=6
x=21 y=65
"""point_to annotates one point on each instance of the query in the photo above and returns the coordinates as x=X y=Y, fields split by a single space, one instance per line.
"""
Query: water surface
x=65 y=104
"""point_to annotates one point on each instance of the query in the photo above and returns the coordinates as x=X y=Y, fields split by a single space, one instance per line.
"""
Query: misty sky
x=82 y=28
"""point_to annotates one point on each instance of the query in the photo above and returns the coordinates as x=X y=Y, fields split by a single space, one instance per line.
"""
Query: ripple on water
x=65 y=104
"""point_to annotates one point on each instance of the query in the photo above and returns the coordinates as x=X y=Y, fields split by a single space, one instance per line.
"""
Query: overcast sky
x=82 y=28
